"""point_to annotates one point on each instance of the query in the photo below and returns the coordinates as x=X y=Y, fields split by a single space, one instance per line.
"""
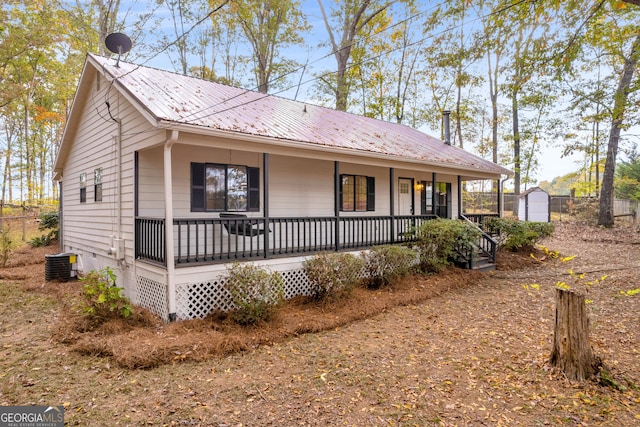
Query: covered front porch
x=225 y=204
x=215 y=240
x=328 y=211
x=192 y=285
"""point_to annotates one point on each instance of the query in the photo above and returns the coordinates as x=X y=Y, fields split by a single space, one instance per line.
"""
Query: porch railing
x=478 y=219
x=487 y=246
x=207 y=240
x=149 y=240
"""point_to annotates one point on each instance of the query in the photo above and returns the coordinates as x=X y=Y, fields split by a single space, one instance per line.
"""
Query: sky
x=550 y=160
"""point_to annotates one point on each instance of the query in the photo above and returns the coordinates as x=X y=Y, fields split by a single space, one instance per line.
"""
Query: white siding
x=89 y=228
x=151 y=183
x=299 y=187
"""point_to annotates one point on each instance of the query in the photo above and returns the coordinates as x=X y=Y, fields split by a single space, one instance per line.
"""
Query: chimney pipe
x=447 y=131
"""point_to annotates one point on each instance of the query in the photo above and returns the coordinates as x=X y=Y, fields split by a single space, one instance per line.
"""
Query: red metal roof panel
x=188 y=100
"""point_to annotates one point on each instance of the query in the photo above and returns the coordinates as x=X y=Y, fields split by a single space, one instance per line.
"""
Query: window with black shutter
x=221 y=188
x=357 y=193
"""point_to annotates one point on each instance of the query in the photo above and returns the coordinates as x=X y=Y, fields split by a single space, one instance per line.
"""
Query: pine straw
x=144 y=342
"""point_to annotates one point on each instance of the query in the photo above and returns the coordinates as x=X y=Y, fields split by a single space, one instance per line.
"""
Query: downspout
x=172 y=138
x=501 y=196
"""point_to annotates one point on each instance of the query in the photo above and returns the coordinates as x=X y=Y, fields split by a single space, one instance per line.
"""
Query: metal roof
x=180 y=99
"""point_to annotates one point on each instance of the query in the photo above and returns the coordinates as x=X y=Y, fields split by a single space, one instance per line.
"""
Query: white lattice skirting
x=198 y=298
x=152 y=295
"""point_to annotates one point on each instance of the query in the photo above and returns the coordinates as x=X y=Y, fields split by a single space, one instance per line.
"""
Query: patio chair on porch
x=240 y=225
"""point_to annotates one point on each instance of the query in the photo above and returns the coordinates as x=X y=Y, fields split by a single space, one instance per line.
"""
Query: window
x=357 y=193
x=426 y=197
x=83 y=188
x=220 y=188
x=97 y=183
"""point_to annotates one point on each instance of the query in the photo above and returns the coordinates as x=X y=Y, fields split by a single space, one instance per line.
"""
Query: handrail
x=487 y=244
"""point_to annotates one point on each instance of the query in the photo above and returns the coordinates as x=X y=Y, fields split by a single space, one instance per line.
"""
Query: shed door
x=405 y=201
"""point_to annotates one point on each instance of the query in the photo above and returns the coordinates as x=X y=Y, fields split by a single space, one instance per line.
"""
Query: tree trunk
x=605 y=216
x=571 y=348
x=517 y=166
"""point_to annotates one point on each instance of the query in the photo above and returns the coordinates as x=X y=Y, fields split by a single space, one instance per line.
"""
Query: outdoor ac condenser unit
x=62 y=267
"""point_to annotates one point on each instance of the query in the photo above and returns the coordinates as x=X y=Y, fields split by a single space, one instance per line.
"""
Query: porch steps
x=482 y=262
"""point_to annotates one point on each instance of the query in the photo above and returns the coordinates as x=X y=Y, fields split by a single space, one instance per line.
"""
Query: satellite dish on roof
x=118 y=43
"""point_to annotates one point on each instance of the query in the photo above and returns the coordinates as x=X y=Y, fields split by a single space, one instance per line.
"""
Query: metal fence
x=561 y=205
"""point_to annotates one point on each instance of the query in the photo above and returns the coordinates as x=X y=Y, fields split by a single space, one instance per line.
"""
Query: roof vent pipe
x=447 y=131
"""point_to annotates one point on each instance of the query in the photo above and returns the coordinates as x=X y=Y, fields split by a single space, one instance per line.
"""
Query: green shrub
x=102 y=299
x=518 y=235
x=48 y=221
x=385 y=264
x=332 y=275
x=255 y=293
x=40 y=241
x=441 y=241
x=544 y=229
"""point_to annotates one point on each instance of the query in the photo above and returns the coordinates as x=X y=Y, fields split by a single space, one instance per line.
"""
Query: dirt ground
x=456 y=349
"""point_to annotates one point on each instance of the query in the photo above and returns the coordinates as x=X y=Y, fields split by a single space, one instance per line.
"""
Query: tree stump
x=572 y=352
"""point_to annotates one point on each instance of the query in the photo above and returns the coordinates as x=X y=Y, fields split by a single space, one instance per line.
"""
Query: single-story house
x=166 y=178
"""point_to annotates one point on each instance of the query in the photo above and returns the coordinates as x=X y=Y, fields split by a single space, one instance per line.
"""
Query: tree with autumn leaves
x=516 y=75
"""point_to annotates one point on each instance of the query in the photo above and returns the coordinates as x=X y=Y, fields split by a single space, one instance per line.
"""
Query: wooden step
x=482 y=263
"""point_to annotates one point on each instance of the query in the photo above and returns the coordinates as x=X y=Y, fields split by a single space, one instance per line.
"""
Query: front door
x=405 y=199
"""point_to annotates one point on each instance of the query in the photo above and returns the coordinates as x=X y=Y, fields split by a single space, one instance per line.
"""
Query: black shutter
x=423 y=198
x=253 y=184
x=197 y=187
x=371 y=193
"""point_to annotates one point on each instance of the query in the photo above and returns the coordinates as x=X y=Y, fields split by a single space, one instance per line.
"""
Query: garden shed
x=533 y=205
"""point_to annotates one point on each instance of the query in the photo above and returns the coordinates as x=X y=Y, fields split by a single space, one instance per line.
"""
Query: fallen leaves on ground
x=473 y=352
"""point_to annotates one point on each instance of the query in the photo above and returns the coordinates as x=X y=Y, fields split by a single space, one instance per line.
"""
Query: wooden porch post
x=459 y=196
x=392 y=211
x=265 y=171
x=172 y=137
x=336 y=203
